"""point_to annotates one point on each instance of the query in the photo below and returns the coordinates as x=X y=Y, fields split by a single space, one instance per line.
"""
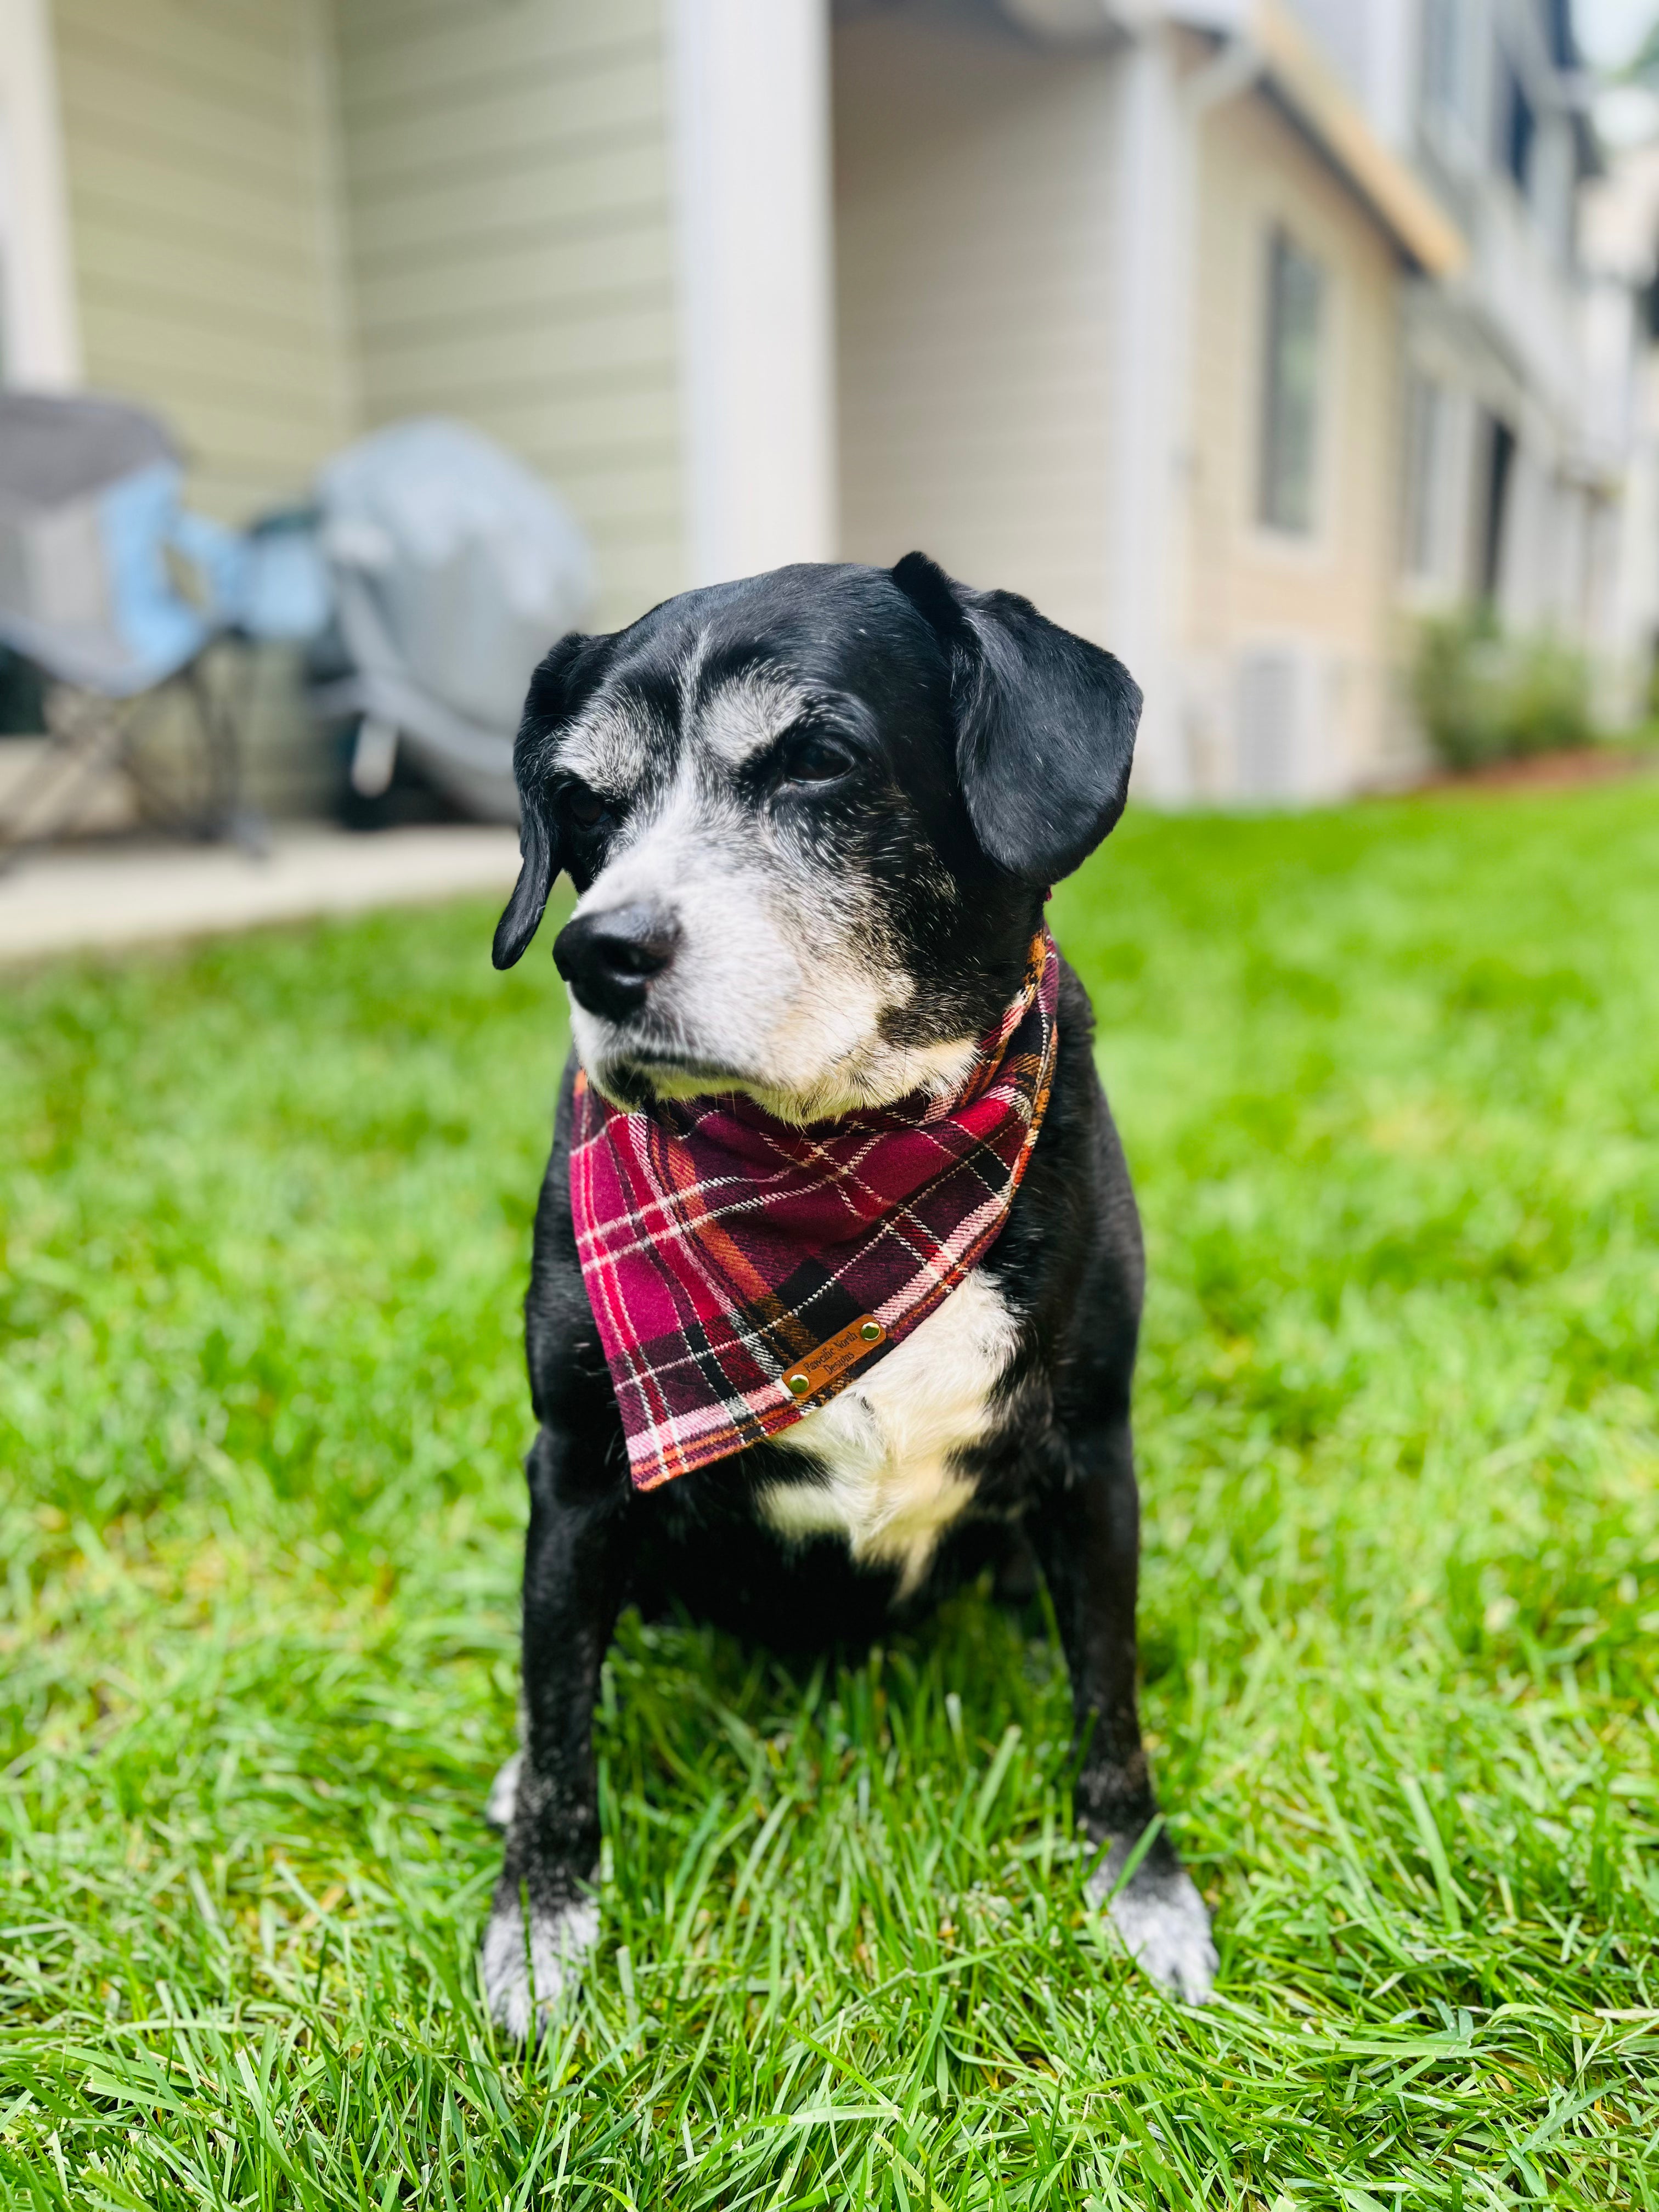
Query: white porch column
x=1148 y=391
x=41 y=330
x=752 y=90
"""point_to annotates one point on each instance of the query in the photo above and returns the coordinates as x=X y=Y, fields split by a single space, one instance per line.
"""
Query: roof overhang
x=1292 y=65
x=1274 y=51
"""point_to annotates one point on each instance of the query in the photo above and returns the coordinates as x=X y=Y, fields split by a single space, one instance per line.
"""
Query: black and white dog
x=812 y=818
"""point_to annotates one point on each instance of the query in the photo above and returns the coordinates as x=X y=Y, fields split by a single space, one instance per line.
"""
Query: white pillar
x=41 y=329
x=1147 y=396
x=751 y=90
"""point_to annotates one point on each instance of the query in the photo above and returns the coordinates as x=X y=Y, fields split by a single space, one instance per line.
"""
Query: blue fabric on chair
x=92 y=529
x=113 y=622
x=284 y=593
x=112 y=588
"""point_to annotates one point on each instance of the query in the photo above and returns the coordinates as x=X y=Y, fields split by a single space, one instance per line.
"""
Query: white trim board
x=751 y=101
x=41 y=327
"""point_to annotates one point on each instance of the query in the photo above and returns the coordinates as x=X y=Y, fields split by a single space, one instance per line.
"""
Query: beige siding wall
x=974 y=246
x=508 y=197
x=1328 y=596
x=296 y=218
x=197 y=147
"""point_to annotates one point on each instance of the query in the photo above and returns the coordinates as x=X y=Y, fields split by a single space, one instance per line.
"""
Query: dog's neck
x=862 y=1084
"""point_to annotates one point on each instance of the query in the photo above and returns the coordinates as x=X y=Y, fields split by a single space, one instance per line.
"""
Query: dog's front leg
x=544 y=1920
x=1087 y=1537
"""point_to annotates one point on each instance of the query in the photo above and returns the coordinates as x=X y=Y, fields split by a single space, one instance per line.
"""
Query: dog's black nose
x=609 y=959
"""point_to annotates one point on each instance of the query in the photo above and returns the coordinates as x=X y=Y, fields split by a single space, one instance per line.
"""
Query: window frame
x=1282 y=242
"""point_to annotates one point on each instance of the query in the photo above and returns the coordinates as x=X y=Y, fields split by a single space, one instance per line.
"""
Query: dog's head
x=810 y=818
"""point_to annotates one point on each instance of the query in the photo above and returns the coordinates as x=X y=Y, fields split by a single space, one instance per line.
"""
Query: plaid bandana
x=742 y=1270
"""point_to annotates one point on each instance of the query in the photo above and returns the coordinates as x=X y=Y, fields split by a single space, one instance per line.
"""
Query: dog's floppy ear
x=539 y=843
x=538 y=866
x=1045 y=723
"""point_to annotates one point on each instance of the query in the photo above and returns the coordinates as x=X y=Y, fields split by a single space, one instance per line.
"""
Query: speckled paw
x=524 y=1978
x=1164 y=1922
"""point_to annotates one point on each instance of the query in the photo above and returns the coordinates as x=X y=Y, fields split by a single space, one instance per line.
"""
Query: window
x=1290 y=428
x=1564 y=47
x=1518 y=123
x=1499 y=441
x=1647 y=300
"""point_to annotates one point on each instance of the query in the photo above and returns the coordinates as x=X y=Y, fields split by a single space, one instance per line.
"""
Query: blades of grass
x=996 y=1774
x=1434 y=1851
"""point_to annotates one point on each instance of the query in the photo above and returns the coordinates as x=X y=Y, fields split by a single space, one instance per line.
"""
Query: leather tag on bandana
x=804 y=1378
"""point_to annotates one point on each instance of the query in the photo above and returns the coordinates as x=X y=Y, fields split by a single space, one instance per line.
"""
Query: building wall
x=975 y=250
x=197 y=137
x=1320 y=607
x=506 y=172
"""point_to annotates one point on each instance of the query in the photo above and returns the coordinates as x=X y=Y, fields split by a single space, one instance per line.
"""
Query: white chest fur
x=887 y=1444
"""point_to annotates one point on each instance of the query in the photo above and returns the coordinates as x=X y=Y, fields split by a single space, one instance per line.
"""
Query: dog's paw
x=504 y=1793
x=524 y=1979
x=1164 y=1922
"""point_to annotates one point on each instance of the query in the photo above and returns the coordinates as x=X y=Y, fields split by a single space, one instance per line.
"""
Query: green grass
x=1389 y=1082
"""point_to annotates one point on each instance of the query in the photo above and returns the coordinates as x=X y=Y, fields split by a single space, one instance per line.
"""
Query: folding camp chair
x=112 y=589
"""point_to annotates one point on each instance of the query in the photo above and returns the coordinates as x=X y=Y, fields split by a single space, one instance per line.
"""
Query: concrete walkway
x=87 y=897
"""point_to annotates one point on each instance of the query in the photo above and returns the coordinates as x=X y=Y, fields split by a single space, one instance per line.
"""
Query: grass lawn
x=1389 y=1082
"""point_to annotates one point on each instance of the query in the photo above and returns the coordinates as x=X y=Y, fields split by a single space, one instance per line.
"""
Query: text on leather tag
x=802 y=1379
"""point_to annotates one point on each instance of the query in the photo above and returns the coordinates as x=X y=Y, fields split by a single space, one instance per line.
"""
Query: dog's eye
x=584 y=807
x=816 y=760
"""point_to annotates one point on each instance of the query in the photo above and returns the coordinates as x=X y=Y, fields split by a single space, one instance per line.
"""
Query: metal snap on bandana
x=742 y=1270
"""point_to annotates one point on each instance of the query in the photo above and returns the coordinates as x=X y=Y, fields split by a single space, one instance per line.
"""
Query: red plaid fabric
x=742 y=1270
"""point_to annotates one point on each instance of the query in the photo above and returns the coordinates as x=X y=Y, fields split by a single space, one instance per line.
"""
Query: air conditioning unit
x=1289 y=739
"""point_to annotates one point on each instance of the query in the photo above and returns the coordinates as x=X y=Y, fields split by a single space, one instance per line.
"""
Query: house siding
x=1250 y=595
x=506 y=172
x=196 y=142
x=974 y=249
